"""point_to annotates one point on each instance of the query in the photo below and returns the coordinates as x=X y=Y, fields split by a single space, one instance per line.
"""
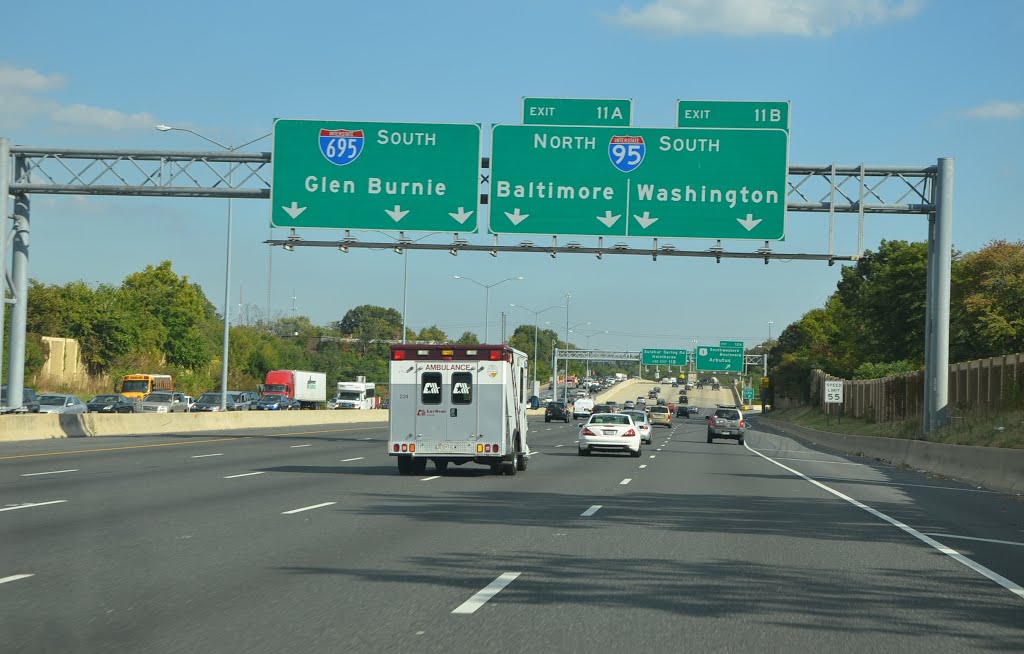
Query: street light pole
x=487 y=297
x=227 y=260
x=536 y=316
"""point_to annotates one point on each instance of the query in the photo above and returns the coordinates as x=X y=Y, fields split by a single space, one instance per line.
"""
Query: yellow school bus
x=140 y=385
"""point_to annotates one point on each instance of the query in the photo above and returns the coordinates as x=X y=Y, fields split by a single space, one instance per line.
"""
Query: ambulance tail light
x=487 y=448
x=479 y=448
x=405 y=448
x=396 y=448
x=494 y=448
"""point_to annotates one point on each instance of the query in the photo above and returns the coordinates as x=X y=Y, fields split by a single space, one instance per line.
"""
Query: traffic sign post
x=833 y=395
x=649 y=182
x=577 y=111
x=717 y=359
x=366 y=175
x=748 y=393
x=656 y=357
x=742 y=114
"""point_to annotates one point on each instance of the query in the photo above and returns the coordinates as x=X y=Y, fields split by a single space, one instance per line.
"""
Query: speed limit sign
x=834 y=392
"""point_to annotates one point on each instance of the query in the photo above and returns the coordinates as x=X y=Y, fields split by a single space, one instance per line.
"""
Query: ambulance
x=458 y=404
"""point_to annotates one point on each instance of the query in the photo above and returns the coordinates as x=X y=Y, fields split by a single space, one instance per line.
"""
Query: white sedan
x=609 y=432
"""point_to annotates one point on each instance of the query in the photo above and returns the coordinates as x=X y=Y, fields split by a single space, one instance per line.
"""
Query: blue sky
x=869 y=81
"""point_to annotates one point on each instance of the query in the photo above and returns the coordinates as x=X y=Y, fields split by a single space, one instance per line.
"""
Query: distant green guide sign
x=742 y=114
x=577 y=111
x=366 y=175
x=733 y=344
x=716 y=359
x=629 y=181
x=664 y=357
x=748 y=393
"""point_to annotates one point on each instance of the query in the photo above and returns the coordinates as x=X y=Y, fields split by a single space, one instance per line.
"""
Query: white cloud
x=998 y=109
x=24 y=98
x=80 y=115
x=815 y=18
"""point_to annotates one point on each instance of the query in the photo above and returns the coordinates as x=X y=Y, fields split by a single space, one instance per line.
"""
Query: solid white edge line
x=473 y=603
x=951 y=553
x=358 y=458
x=52 y=472
x=4 y=580
x=625 y=481
x=307 y=508
x=244 y=474
x=202 y=456
x=431 y=478
x=591 y=511
x=29 y=506
x=983 y=540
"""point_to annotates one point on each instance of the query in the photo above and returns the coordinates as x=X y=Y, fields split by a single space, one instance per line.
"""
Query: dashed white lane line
x=431 y=478
x=308 y=508
x=473 y=603
x=653 y=455
x=591 y=511
x=559 y=445
x=4 y=580
x=658 y=450
x=29 y=506
x=624 y=482
x=355 y=458
x=306 y=445
x=983 y=540
x=948 y=551
x=643 y=466
x=368 y=438
x=203 y=456
x=244 y=474
x=51 y=472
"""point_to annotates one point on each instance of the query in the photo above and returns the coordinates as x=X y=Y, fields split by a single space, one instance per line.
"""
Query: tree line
x=873 y=325
x=158 y=321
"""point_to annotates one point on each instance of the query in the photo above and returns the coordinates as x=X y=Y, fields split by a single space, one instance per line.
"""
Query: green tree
x=468 y=338
x=432 y=333
x=370 y=323
x=987 y=302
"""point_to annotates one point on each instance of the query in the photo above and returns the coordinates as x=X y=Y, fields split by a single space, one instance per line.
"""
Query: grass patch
x=989 y=429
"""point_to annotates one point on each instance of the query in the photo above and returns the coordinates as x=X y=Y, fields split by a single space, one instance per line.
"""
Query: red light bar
x=494 y=355
x=398 y=355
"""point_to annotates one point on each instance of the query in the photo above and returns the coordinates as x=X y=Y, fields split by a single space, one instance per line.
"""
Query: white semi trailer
x=457 y=404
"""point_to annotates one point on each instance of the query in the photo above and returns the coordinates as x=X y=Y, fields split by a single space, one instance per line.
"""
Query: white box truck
x=457 y=404
x=359 y=394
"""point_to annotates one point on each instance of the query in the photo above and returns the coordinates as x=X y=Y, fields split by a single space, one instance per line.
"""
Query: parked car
x=272 y=402
x=609 y=432
x=29 y=400
x=113 y=403
x=660 y=415
x=210 y=402
x=643 y=424
x=556 y=411
x=60 y=403
x=163 y=402
x=386 y=403
x=726 y=421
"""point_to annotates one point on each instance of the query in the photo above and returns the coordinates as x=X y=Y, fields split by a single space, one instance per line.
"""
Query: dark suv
x=29 y=400
x=556 y=411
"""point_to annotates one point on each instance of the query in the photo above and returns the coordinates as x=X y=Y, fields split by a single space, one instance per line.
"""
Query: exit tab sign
x=742 y=114
x=584 y=112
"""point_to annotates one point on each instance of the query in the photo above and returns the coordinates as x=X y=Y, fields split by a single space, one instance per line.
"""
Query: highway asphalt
x=308 y=540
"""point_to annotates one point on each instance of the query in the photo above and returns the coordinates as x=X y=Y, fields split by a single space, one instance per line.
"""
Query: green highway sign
x=664 y=357
x=577 y=111
x=628 y=181
x=365 y=175
x=748 y=393
x=733 y=344
x=743 y=114
x=719 y=359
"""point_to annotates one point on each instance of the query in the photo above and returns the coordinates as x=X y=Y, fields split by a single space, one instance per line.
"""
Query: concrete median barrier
x=45 y=426
x=996 y=468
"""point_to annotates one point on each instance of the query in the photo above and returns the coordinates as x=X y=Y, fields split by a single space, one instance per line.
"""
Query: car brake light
x=743 y=424
x=629 y=434
x=712 y=421
x=587 y=432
